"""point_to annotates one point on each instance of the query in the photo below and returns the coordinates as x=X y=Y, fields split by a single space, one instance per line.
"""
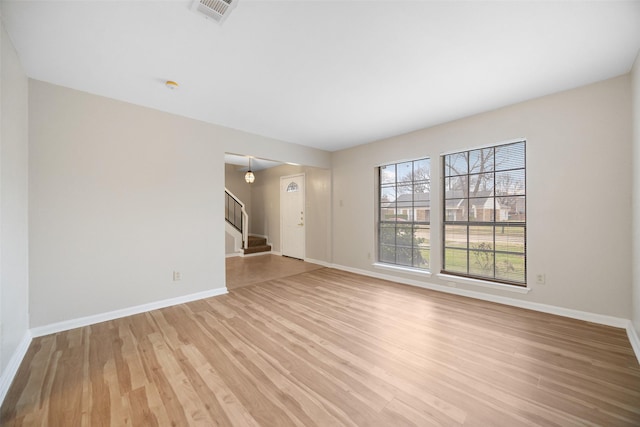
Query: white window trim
x=402 y=269
x=483 y=283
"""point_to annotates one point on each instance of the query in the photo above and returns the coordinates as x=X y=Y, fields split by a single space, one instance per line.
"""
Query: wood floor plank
x=320 y=347
x=141 y=414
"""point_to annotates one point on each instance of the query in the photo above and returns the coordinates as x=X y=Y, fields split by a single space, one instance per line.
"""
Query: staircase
x=256 y=245
x=236 y=219
x=236 y=225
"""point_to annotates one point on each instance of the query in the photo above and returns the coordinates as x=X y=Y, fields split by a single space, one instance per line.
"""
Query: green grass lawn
x=509 y=266
x=504 y=262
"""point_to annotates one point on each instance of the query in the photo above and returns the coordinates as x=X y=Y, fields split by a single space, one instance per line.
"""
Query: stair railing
x=236 y=215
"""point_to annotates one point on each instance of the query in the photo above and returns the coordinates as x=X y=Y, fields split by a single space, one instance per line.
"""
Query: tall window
x=404 y=214
x=484 y=214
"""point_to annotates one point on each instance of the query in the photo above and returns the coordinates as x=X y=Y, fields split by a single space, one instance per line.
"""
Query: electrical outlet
x=177 y=276
x=540 y=279
x=368 y=255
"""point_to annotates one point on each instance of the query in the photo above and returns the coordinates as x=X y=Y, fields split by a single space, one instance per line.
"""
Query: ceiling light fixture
x=249 y=176
x=171 y=84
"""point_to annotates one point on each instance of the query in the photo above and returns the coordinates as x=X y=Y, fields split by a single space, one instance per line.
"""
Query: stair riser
x=256 y=245
x=257 y=241
x=257 y=249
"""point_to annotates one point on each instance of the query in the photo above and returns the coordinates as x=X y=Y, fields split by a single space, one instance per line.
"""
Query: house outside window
x=404 y=214
x=484 y=213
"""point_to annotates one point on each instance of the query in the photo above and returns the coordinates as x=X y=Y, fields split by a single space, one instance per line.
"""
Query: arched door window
x=292 y=187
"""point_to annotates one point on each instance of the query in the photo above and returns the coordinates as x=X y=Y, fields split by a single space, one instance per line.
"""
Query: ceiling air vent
x=214 y=9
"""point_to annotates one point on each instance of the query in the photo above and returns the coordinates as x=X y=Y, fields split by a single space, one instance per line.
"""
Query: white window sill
x=401 y=269
x=483 y=283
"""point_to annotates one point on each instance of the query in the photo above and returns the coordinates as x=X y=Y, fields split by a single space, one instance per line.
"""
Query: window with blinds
x=484 y=213
x=404 y=213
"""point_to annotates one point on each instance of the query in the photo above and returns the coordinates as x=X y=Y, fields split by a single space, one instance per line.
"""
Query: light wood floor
x=330 y=348
x=243 y=271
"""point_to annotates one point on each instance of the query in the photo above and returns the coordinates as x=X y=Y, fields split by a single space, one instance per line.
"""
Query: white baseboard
x=634 y=339
x=545 y=308
x=257 y=254
x=116 y=314
x=233 y=254
x=14 y=363
x=319 y=262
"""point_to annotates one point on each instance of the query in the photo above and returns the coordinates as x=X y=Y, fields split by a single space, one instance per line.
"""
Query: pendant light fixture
x=249 y=176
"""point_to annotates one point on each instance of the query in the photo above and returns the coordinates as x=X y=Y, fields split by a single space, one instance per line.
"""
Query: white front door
x=292 y=216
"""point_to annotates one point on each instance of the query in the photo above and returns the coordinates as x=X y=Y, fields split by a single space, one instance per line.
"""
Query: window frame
x=410 y=211
x=473 y=224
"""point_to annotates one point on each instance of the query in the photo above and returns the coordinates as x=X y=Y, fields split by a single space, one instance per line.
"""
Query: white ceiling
x=327 y=74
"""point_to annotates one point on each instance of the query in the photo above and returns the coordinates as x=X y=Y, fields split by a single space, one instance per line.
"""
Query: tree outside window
x=404 y=213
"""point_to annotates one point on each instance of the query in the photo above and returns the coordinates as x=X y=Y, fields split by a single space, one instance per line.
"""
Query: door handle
x=301 y=224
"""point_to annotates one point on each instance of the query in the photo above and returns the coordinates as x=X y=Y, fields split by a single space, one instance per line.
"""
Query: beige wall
x=265 y=208
x=120 y=196
x=14 y=286
x=635 y=258
x=578 y=192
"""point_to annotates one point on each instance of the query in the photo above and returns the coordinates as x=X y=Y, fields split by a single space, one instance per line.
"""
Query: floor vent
x=217 y=10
